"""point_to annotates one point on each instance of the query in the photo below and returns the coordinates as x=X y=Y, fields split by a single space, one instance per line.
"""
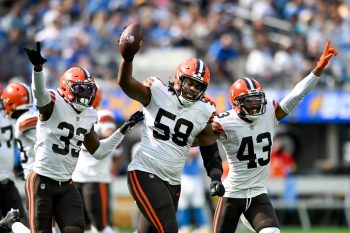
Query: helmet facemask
x=78 y=88
x=84 y=94
x=191 y=80
x=190 y=90
x=251 y=105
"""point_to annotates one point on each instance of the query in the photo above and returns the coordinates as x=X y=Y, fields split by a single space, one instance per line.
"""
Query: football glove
x=11 y=217
x=133 y=120
x=326 y=55
x=216 y=187
x=35 y=55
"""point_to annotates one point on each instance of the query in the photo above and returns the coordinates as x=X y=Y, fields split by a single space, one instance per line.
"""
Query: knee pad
x=270 y=230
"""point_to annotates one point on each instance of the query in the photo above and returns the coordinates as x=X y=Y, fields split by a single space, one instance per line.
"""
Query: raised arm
x=130 y=42
x=132 y=88
x=40 y=93
x=289 y=102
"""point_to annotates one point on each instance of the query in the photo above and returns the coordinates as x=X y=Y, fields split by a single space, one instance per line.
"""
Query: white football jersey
x=168 y=131
x=88 y=168
x=25 y=134
x=248 y=149
x=59 y=139
x=7 y=156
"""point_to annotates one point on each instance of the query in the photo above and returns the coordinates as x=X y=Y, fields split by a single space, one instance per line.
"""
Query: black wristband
x=216 y=176
x=129 y=59
x=38 y=68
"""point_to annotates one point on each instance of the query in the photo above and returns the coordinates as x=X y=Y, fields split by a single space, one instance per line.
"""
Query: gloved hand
x=133 y=120
x=326 y=55
x=11 y=217
x=216 y=187
x=35 y=55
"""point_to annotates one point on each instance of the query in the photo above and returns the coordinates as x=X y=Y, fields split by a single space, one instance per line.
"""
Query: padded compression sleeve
x=211 y=159
x=108 y=145
x=40 y=93
x=289 y=102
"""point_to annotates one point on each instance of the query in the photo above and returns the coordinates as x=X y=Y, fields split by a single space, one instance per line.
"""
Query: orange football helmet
x=248 y=98
x=195 y=71
x=16 y=96
x=77 y=87
x=98 y=98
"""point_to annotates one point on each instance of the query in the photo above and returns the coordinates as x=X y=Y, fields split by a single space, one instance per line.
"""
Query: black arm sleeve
x=211 y=158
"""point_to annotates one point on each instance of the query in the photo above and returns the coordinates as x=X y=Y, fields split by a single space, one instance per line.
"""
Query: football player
x=176 y=117
x=17 y=99
x=66 y=122
x=18 y=105
x=93 y=176
x=246 y=133
x=9 y=194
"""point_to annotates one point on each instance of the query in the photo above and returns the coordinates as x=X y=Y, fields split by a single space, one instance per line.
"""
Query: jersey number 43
x=246 y=150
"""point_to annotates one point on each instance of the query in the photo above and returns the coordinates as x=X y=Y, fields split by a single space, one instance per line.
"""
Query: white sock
x=270 y=230
x=18 y=227
x=108 y=229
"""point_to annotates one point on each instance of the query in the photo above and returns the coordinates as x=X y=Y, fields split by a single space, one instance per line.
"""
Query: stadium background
x=275 y=41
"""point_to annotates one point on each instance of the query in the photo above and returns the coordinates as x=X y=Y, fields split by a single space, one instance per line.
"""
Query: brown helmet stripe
x=200 y=69
x=86 y=74
x=250 y=83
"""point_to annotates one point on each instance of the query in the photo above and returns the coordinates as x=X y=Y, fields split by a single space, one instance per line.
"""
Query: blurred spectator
x=286 y=64
x=282 y=163
x=221 y=54
x=238 y=37
x=259 y=64
x=192 y=198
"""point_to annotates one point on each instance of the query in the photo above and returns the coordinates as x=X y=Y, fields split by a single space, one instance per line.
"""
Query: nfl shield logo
x=42 y=186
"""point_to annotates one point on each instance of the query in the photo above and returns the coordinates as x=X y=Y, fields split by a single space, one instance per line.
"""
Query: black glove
x=35 y=56
x=133 y=120
x=216 y=187
x=11 y=217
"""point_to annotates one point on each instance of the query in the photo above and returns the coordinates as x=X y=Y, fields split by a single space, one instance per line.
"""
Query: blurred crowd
x=275 y=41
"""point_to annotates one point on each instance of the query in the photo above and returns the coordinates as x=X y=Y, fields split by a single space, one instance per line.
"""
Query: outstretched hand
x=35 y=55
x=327 y=54
x=133 y=120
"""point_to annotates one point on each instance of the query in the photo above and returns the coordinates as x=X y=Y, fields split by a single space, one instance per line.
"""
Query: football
x=130 y=41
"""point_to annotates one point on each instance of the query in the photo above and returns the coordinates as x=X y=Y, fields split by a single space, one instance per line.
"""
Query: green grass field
x=313 y=230
x=290 y=230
